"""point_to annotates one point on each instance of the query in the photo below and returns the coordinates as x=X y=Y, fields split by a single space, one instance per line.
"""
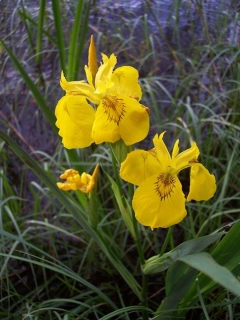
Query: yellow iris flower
x=74 y=181
x=118 y=115
x=159 y=201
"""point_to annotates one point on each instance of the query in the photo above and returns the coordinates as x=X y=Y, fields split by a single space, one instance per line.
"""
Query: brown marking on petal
x=153 y=152
x=194 y=160
x=114 y=108
x=133 y=96
x=164 y=185
x=146 y=108
x=119 y=75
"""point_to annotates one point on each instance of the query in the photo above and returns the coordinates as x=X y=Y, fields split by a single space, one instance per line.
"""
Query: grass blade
x=40 y=31
x=73 y=56
x=59 y=32
x=96 y=235
x=31 y=85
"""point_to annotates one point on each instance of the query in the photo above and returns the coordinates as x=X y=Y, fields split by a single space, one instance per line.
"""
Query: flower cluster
x=159 y=200
x=107 y=108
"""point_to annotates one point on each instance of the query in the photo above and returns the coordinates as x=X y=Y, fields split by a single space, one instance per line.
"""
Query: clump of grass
x=52 y=266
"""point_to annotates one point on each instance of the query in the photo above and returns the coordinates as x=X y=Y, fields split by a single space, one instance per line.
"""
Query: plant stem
x=166 y=241
x=137 y=238
x=141 y=258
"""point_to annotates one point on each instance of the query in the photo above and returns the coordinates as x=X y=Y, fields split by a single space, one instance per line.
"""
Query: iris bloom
x=74 y=181
x=159 y=201
x=116 y=95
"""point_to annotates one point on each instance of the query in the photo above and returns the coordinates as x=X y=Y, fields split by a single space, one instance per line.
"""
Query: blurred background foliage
x=187 y=55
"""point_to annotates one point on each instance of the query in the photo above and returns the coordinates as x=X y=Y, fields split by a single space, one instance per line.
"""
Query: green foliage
x=54 y=265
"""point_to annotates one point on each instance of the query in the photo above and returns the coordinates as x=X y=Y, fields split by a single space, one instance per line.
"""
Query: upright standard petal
x=161 y=150
x=202 y=183
x=159 y=201
x=75 y=119
x=138 y=166
x=106 y=69
x=126 y=82
x=186 y=157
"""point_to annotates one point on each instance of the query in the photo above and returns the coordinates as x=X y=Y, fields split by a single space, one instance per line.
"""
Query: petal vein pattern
x=159 y=200
x=114 y=102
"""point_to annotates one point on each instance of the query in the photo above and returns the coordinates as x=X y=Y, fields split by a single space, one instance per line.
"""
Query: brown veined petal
x=118 y=117
x=202 y=183
x=105 y=127
x=126 y=82
x=75 y=118
x=138 y=166
x=134 y=122
x=159 y=201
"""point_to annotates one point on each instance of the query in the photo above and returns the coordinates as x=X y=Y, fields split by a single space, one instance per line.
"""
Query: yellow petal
x=89 y=75
x=120 y=117
x=69 y=86
x=74 y=181
x=134 y=121
x=126 y=82
x=106 y=69
x=75 y=118
x=175 y=149
x=185 y=158
x=161 y=150
x=92 y=57
x=202 y=183
x=104 y=128
x=80 y=87
x=138 y=166
x=103 y=86
x=159 y=201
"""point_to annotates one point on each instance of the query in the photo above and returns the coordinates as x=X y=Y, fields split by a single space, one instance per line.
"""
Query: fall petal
x=105 y=128
x=75 y=118
x=138 y=166
x=134 y=122
x=159 y=201
x=202 y=183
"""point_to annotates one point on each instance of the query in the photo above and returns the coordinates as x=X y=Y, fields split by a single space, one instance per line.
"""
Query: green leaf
x=179 y=279
x=214 y=271
x=124 y=207
x=40 y=30
x=206 y=264
x=59 y=33
x=160 y=263
x=226 y=254
x=77 y=39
